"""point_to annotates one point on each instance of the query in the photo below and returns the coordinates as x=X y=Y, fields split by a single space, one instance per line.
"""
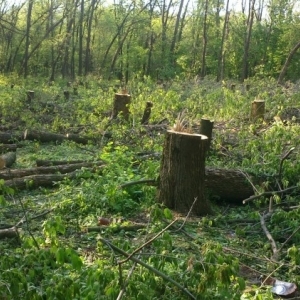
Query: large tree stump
x=182 y=173
x=121 y=105
x=7 y=160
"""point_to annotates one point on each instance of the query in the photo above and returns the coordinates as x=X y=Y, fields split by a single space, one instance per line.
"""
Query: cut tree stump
x=121 y=105
x=182 y=173
x=62 y=169
x=257 y=110
x=7 y=160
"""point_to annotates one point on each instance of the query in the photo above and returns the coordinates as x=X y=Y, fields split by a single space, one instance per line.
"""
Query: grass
x=221 y=256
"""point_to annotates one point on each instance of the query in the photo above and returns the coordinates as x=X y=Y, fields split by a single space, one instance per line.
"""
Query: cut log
x=62 y=169
x=9 y=233
x=182 y=173
x=48 y=163
x=7 y=160
x=228 y=185
x=9 y=138
x=46 y=137
x=8 y=148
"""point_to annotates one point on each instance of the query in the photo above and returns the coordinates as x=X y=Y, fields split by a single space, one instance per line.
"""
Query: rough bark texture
x=63 y=169
x=182 y=173
x=121 y=105
x=206 y=128
x=7 y=160
x=228 y=185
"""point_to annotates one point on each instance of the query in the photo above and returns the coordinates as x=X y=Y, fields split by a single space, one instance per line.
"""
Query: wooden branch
x=152 y=182
x=155 y=271
x=270 y=193
x=116 y=229
x=148 y=242
x=269 y=236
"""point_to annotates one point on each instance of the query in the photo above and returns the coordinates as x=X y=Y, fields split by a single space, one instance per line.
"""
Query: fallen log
x=9 y=233
x=42 y=180
x=62 y=169
x=47 y=163
x=8 y=148
x=9 y=138
x=7 y=160
x=228 y=185
x=46 y=137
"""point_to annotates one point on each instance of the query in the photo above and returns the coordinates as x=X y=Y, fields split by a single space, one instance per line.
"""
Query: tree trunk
x=49 y=163
x=27 y=43
x=245 y=70
x=204 y=39
x=80 y=39
x=287 y=62
x=8 y=147
x=182 y=173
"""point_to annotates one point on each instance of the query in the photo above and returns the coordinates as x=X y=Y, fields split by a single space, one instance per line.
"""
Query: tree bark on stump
x=7 y=160
x=121 y=105
x=182 y=173
x=206 y=128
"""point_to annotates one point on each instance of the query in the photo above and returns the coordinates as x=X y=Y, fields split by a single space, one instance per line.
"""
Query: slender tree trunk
x=245 y=69
x=204 y=39
x=221 y=58
x=80 y=39
x=27 y=40
x=287 y=62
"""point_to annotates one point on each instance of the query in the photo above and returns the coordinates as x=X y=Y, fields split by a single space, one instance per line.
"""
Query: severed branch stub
x=147 y=113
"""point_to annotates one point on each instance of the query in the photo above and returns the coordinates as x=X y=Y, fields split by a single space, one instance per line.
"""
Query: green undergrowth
x=226 y=255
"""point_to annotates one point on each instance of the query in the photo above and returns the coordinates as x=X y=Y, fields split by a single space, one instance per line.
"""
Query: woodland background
x=162 y=39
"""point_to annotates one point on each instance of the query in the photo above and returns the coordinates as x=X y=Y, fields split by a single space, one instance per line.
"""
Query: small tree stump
x=30 y=96
x=206 y=127
x=121 y=105
x=147 y=113
x=67 y=94
x=182 y=173
x=257 y=110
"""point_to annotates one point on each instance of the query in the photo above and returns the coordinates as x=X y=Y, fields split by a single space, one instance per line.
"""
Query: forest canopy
x=161 y=39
